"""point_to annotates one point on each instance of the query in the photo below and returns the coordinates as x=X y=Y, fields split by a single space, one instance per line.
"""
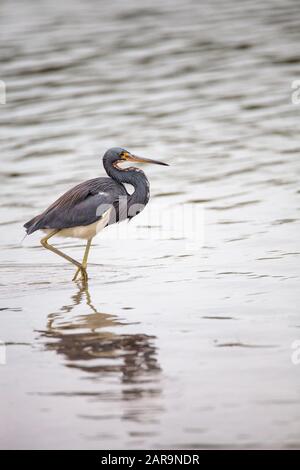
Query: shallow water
x=173 y=344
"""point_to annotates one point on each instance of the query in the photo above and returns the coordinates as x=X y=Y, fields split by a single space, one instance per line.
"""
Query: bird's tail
x=30 y=226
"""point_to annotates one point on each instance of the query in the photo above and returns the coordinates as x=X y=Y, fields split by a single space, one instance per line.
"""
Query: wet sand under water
x=173 y=344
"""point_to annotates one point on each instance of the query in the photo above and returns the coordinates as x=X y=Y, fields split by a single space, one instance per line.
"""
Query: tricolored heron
x=90 y=206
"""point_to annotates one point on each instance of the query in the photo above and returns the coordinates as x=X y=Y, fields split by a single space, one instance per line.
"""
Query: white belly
x=85 y=232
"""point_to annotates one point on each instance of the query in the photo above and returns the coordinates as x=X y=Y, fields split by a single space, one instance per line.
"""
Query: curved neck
x=136 y=178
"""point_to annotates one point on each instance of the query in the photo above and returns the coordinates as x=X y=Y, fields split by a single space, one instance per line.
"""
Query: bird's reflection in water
x=90 y=342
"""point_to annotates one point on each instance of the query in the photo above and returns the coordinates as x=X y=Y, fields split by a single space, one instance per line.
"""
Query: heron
x=92 y=205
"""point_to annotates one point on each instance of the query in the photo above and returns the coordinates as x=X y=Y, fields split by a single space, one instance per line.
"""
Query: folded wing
x=82 y=205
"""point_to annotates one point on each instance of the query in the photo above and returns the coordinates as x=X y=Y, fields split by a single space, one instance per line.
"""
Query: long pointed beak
x=135 y=158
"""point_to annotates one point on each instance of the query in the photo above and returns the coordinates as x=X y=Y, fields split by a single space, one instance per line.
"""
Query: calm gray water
x=172 y=345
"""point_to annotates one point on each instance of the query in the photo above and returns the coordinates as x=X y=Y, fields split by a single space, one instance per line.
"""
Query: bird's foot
x=81 y=271
x=76 y=274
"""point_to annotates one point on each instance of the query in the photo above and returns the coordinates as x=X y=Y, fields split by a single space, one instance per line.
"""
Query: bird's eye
x=124 y=155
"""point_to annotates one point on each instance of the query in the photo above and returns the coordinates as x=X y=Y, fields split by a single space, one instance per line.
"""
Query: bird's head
x=117 y=155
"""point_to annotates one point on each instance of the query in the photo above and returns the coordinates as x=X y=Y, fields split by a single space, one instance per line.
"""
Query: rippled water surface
x=172 y=344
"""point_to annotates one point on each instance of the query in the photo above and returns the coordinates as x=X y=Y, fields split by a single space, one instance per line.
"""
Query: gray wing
x=82 y=205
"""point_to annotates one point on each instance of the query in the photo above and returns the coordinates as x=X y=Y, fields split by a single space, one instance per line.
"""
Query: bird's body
x=84 y=232
x=77 y=212
x=90 y=206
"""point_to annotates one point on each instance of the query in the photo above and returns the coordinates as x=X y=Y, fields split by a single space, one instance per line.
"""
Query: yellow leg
x=44 y=242
x=84 y=261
